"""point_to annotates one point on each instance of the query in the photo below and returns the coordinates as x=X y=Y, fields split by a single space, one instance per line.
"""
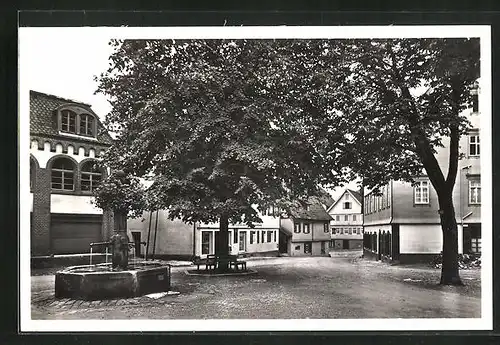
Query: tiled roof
x=43 y=120
x=356 y=194
x=325 y=198
x=315 y=211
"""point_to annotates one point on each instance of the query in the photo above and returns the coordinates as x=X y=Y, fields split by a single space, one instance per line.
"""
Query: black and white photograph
x=267 y=178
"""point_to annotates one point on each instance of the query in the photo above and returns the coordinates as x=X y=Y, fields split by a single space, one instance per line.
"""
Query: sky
x=63 y=64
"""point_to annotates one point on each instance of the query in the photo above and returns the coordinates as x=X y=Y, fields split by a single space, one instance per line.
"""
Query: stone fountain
x=118 y=279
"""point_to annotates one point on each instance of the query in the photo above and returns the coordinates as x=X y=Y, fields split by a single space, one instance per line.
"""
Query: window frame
x=307 y=245
x=419 y=187
x=296 y=227
x=478 y=191
x=91 y=174
x=79 y=115
x=307 y=226
x=202 y=243
x=476 y=144
x=63 y=172
x=64 y=127
x=326 y=227
x=87 y=117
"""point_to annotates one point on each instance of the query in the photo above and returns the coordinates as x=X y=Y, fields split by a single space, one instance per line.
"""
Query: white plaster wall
x=297 y=249
x=250 y=248
x=267 y=223
x=81 y=204
x=420 y=239
x=338 y=209
x=376 y=228
x=43 y=156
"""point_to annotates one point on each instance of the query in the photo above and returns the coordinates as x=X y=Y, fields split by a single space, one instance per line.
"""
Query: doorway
x=136 y=236
x=345 y=244
x=283 y=243
x=242 y=241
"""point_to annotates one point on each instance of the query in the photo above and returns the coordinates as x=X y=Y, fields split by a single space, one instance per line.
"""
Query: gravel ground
x=342 y=286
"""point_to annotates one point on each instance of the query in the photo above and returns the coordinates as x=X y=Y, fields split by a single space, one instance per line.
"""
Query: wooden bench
x=232 y=261
x=210 y=262
x=236 y=264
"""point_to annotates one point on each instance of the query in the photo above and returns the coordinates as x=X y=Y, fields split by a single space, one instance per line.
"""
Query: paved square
x=341 y=286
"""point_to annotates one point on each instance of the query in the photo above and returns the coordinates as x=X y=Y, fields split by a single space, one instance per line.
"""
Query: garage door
x=73 y=233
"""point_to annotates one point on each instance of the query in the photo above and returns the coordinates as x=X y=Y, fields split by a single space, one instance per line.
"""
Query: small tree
x=124 y=195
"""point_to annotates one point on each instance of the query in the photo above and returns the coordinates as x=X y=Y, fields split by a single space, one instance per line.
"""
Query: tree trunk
x=449 y=272
x=222 y=247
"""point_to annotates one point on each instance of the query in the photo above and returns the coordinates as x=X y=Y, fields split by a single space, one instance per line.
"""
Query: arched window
x=68 y=121
x=91 y=176
x=63 y=172
x=86 y=124
x=32 y=173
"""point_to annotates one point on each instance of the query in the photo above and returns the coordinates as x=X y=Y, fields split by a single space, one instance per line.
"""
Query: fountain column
x=119 y=241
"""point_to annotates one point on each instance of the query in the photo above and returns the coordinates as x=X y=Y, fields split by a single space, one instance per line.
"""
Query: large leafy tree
x=396 y=101
x=195 y=117
x=223 y=125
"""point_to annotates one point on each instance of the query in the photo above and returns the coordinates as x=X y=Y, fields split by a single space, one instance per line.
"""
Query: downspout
x=154 y=238
x=312 y=237
x=392 y=204
x=194 y=240
x=149 y=234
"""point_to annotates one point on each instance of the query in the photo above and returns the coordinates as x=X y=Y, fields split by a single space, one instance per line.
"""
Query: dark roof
x=325 y=197
x=44 y=122
x=356 y=194
x=315 y=210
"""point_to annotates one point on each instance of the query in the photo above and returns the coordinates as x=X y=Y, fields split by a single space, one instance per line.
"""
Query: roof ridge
x=61 y=98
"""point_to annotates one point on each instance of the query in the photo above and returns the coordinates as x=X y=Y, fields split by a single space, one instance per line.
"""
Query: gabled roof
x=315 y=211
x=356 y=195
x=44 y=122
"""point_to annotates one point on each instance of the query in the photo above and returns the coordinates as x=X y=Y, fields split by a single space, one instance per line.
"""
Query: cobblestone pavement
x=341 y=286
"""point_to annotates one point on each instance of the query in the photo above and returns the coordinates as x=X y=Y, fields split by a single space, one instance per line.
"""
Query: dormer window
x=76 y=121
x=68 y=121
x=86 y=125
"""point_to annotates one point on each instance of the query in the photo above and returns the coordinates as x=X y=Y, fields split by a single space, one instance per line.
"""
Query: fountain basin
x=95 y=282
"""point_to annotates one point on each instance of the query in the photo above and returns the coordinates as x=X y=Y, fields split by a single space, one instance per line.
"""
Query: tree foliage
x=222 y=125
x=123 y=194
x=390 y=104
x=198 y=118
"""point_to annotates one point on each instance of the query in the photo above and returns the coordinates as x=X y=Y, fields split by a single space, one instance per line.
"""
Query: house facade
x=175 y=238
x=306 y=230
x=347 y=221
x=403 y=223
x=66 y=140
